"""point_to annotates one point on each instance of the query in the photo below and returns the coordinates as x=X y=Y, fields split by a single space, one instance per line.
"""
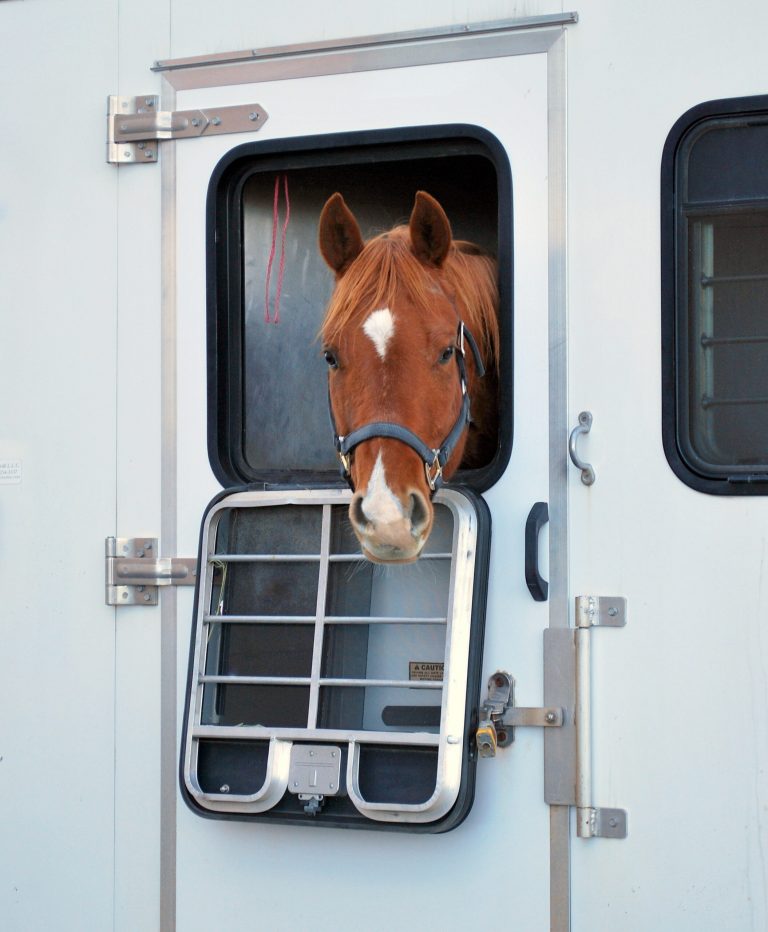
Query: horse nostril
x=419 y=513
x=356 y=513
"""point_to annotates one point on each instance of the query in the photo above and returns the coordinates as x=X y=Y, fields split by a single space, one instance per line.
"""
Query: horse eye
x=446 y=354
x=331 y=359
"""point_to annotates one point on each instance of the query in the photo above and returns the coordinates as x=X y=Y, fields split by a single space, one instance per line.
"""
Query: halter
x=434 y=458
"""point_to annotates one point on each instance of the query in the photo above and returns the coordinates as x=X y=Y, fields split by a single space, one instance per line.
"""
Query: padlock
x=486 y=739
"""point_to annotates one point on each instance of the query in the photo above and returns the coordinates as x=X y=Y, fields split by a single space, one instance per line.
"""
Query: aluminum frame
x=453 y=686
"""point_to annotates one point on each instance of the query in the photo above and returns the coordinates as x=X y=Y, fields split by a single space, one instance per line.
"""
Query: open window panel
x=267 y=390
x=324 y=690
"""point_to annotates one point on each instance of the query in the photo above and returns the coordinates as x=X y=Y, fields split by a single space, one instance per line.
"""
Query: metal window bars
x=377 y=675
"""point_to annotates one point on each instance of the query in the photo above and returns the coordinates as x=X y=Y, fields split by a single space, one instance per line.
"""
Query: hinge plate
x=601 y=823
x=134 y=571
x=136 y=125
x=603 y=611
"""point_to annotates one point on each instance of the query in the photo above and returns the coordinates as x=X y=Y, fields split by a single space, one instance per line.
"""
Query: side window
x=715 y=297
x=268 y=285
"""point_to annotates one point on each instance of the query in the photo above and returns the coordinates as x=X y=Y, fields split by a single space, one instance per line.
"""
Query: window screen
x=323 y=687
x=715 y=288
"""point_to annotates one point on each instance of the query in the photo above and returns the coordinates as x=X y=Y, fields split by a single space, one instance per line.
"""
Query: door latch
x=499 y=716
x=135 y=125
x=134 y=570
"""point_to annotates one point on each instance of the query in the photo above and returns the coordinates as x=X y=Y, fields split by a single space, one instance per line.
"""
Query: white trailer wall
x=679 y=695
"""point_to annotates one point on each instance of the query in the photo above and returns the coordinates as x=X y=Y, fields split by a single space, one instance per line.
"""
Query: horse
x=411 y=339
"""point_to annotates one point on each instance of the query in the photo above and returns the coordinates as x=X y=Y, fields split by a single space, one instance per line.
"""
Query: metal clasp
x=134 y=571
x=433 y=477
x=499 y=716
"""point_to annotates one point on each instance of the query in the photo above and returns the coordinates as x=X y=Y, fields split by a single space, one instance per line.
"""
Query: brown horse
x=404 y=368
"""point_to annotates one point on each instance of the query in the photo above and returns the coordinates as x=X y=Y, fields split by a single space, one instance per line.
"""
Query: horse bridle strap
x=434 y=458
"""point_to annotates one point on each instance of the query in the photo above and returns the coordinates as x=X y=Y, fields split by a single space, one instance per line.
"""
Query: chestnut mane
x=387 y=264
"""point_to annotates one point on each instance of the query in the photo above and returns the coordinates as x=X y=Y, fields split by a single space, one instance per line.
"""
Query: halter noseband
x=434 y=458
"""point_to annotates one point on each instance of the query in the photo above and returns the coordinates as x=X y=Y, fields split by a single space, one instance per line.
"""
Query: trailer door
x=233 y=874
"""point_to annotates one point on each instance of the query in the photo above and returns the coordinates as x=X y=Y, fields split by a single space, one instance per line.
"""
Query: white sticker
x=420 y=670
x=10 y=472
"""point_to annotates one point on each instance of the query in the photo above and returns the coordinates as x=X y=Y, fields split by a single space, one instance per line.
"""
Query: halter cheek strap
x=434 y=458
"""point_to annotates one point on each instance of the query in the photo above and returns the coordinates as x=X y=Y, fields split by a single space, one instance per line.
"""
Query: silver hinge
x=568 y=680
x=592 y=612
x=135 y=125
x=499 y=716
x=134 y=570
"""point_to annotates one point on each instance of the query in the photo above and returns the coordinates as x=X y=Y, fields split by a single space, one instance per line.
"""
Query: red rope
x=275 y=319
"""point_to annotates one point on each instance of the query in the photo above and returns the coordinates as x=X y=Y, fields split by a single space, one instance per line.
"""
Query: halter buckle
x=346 y=462
x=433 y=477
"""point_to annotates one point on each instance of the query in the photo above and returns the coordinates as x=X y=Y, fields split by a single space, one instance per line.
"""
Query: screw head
x=550 y=717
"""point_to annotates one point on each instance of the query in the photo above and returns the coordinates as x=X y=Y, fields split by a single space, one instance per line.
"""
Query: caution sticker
x=423 y=670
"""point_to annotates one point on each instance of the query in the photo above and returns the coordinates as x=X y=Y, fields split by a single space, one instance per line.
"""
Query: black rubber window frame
x=224 y=260
x=674 y=289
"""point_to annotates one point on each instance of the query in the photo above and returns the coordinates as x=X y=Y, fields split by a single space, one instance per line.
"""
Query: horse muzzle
x=392 y=534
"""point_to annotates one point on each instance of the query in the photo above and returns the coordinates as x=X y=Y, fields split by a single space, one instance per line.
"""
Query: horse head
x=403 y=366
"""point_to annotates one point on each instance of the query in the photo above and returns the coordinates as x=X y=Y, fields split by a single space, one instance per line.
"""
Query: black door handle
x=538 y=517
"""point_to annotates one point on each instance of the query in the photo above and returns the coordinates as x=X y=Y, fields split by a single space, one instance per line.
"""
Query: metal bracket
x=135 y=125
x=592 y=612
x=499 y=716
x=603 y=611
x=583 y=427
x=315 y=772
x=134 y=571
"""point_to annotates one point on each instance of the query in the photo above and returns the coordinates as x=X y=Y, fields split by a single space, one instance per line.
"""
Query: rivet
x=147 y=597
x=613 y=611
x=550 y=716
x=253 y=116
x=216 y=121
x=224 y=788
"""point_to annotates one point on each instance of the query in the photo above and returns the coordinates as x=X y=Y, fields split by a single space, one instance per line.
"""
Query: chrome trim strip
x=492 y=27
x=511 y=37
x=168 y=525
x=559 y=815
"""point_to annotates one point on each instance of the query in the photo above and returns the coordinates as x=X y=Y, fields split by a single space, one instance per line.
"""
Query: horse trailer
x=218 y=712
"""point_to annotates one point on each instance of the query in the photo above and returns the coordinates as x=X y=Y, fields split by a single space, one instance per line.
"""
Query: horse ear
x=339 y=235
x=430 y=230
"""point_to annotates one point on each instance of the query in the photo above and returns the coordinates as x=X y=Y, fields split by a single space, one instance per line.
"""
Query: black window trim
x=671 y=268
x=224 y=288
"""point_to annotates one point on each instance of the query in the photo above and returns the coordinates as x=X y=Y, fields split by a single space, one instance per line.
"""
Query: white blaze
x=381 y=505
x=379 y=327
